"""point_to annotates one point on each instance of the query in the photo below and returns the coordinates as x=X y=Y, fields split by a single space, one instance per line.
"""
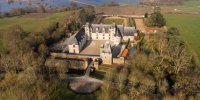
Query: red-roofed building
x=150 y=30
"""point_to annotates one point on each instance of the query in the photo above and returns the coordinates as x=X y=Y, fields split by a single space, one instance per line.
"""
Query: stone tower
x=87 y=31
x=106 y=53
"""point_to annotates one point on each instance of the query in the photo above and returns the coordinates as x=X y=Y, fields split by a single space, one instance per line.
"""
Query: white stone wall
x=117 y=40
x=101 y=36
x=74 y=48
x=112 y=32
x=106 y=58
x=77 y=48
x=87 y=31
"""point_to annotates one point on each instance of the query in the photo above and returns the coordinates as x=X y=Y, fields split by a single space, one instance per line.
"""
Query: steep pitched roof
x=129 y=31
x=100 y=27
x=119 y=30
x=124 y=53
x=77 y=37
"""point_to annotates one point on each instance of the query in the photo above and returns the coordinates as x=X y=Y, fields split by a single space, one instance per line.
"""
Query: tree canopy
x=156 y=20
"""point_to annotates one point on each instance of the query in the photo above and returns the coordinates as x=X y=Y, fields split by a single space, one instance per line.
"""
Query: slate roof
x=119 y=28
x=77 y=37
x=129 y=31
x=100 y=27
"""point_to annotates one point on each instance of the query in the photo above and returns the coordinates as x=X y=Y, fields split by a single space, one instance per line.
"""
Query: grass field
x=33 y=22
x=191 y=7
x=111 y=21
x=189 y=26
x=191 y=3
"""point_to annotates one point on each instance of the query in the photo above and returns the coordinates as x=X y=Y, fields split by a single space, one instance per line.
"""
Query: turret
x=113 y=30
x=87 y=30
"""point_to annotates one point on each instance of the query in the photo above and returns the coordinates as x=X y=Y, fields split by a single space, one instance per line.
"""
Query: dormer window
x=103 y=30
x=91 y=29
x=97 y=29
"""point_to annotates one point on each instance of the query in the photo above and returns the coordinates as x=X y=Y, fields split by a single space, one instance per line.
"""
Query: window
x=97 y=37
x=74 y=46
x=103 y=38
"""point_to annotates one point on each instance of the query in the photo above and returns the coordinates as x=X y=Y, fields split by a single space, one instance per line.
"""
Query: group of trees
x=42 y=7
x=22 y=69
x=86 y=14
x=22 y=11
x=156 y=19
x=162 y=69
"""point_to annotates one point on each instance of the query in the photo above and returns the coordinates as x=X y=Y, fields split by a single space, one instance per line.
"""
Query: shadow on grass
x=62 y=92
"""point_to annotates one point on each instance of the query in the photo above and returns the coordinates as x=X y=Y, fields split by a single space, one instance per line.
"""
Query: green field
x=33 y=22
x=189 y=26
x=192 y=3
x=185 y=7
x=111 y=21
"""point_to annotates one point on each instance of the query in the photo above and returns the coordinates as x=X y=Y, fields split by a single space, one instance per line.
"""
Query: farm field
x=123 y=10
x=189 y=29
x=33 y=22
x=188 y=7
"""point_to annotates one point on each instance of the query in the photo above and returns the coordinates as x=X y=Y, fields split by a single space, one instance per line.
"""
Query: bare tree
x=181 y=59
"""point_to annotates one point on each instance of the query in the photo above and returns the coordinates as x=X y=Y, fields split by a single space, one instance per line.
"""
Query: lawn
x=111 y=21
x=33 y=22
x=189 y=26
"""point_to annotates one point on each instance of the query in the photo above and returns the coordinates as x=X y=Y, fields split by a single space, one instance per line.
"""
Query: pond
x=5 y=6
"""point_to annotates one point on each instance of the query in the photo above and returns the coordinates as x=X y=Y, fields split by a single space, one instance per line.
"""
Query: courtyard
x=92 y=47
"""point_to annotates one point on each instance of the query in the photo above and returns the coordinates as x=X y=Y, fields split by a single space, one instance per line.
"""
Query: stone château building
x=111 y=33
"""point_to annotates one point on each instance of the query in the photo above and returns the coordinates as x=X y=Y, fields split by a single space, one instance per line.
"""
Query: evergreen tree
x=156 y=20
